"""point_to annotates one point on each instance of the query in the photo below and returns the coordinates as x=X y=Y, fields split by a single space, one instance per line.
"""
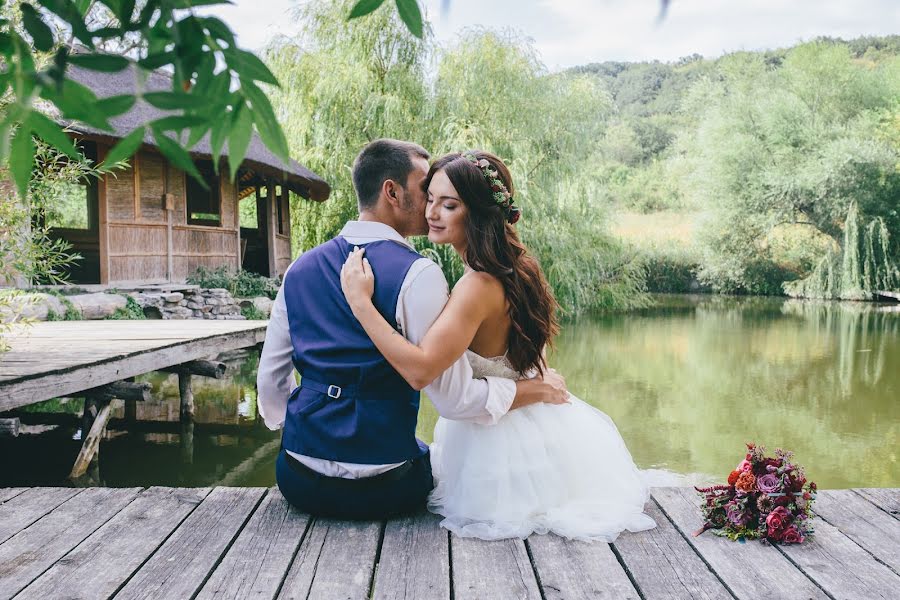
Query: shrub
x=242 y=284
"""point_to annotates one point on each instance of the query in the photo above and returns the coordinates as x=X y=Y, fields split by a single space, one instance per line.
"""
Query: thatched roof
x=258 y=158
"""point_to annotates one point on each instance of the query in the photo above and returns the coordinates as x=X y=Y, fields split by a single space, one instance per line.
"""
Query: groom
x=349 y=448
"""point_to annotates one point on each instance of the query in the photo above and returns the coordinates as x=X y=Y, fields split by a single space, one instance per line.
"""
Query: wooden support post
x=124 y=390
x=88 y=415
x=91 y=444
x=186 y=442
x=187 y=396
x=131 y=410
x=9 y=427
x=203 y=368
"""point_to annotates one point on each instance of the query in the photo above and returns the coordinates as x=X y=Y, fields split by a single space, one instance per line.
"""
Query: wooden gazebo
x=152 y=223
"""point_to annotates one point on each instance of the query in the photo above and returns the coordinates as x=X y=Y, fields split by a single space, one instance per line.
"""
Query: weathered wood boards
x=48 y=360
x=248 y=542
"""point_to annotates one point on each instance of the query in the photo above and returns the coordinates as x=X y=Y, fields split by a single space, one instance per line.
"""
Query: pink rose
x=744 y=466
x=792 y=535
x=777 y=521
x=768 y=483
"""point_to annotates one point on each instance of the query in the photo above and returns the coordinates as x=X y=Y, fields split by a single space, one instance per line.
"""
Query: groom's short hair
x=379 y=161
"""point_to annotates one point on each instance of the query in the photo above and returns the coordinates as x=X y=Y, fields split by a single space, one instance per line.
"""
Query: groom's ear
x=389 y=189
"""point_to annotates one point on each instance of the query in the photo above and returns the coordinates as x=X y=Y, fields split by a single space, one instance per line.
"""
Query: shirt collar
x=371 y=231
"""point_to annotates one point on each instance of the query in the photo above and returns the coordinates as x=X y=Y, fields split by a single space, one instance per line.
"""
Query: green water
x=688 y=382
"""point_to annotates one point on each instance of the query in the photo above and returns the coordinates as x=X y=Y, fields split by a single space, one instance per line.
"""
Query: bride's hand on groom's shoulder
x=357 y=279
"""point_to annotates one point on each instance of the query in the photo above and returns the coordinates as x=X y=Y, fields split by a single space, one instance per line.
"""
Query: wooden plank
x=887 y=499
x=495 y=569
x=842 y=568
x=29 y=553
x=24 y=509
x=108 y=557
x=664 y=565
x=571 y=569
x=862 y=522
x=415 y=560
x=91 y=444
x=271 y=538
x=750 y=570
x=48 y=384
x=7 y=493
x=335 y=562
x=181 y=565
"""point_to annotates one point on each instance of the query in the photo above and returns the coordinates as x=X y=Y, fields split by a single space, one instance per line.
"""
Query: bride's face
x=445 y=212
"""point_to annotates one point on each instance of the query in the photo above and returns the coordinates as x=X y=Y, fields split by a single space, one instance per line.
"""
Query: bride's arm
x=446 y=340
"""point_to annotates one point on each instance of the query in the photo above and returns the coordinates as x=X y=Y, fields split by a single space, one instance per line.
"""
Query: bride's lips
x=435 y=228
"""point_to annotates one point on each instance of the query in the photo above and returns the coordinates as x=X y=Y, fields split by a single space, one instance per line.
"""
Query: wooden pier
x=247 y=542
x=98 y=360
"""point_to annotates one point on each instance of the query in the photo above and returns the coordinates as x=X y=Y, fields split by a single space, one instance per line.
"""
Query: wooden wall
x=139 y=228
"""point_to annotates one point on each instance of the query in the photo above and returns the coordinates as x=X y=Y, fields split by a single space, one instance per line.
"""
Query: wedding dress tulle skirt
x=543 y=468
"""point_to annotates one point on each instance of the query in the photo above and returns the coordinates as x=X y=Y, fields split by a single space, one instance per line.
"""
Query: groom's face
x=414 y=198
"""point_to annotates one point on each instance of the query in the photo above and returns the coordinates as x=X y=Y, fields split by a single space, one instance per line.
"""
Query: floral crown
x=499 y=191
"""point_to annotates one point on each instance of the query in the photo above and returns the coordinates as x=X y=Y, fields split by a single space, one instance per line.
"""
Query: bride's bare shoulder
x=481 y=287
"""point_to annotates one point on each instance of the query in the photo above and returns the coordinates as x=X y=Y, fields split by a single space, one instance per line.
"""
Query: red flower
x=733 y=477
x=792 y=535
x=777 y=522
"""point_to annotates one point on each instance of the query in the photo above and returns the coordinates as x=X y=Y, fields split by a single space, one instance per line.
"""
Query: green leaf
x=239 y=139
x=82 y=6
x=177 y=155
x=107 y=63
x=193 y=3
x=219 y=30
x=364 y=7
x=21 y=159
x=218 y=134
x=69 y=12
x=175 y=100
x=197 y=134
x=124 y=149
x=249 y=66
x=157 y=60
x=51 y=133
x=411 y=15
x=77 y=102
x=177 y=122
x=266 y=122
x=116 y=105
x=36 y=28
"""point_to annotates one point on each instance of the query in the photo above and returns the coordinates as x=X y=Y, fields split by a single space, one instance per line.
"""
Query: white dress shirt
x=423 y=295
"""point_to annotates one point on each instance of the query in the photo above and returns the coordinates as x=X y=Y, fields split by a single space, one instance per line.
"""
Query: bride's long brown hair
x=493 y=246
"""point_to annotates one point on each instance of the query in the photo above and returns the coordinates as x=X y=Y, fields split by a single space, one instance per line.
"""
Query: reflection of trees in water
x=861 y=331
x=688 y=388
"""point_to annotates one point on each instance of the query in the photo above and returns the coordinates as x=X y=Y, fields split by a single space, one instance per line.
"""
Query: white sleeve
x=455 y=394
x=275 y=377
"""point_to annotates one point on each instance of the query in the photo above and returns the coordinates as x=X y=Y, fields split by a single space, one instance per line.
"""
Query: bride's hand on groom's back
x=357 y=279
x=558 y=393
x=547 y=389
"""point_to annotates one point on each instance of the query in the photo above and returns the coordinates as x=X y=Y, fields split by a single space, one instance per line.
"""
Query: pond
x=688 y=382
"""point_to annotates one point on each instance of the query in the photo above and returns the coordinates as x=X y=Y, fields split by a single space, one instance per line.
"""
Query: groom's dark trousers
x=398 y=491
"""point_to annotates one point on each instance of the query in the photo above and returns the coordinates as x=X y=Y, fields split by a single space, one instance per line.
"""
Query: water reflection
x=687 y=381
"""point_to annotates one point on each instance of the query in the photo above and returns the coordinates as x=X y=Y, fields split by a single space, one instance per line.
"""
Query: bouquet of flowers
x=765 y=497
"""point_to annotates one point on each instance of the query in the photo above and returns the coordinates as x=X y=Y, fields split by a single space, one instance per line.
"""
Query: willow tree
x=783 y=153
x=344 y=84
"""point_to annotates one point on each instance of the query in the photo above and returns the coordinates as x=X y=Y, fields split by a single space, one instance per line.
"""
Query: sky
x=567 y=33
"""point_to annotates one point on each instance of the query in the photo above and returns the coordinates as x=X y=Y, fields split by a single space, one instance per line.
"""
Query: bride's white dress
x=543 y=468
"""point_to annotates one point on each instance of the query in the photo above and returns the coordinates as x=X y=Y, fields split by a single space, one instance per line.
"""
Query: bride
x=543 y=468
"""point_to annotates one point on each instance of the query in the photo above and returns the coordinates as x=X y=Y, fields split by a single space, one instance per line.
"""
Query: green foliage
x=242 y=284
x=351 y=83
x=71 y=313
x=252 y=313
x=215 y=88
x=131 y=312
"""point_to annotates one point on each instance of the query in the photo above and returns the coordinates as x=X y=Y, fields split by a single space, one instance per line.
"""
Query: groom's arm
x=275 y=377
x=455 y=394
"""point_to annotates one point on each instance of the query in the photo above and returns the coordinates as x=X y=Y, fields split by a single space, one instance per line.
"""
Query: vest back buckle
x=334 y=391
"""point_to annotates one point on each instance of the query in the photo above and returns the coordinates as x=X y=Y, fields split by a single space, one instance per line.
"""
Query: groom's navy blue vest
x=351 y=406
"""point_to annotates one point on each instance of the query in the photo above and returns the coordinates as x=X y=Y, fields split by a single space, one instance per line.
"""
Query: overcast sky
x=574 y=32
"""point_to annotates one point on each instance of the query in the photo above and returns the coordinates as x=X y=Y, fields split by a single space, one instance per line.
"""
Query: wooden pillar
x=186 y=442
x=187 y=397
x=169 y=206
x=91 y=444
x=103 y=219
x=271 y=226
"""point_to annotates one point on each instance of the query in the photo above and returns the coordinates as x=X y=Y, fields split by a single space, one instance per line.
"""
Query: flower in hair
x=499 y=191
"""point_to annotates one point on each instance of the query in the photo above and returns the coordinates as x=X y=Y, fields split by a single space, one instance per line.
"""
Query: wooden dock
x=49 y=360
x=247 y=542
x=97 y=360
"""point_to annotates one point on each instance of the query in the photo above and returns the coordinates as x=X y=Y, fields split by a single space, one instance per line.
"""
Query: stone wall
x=189 y=303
